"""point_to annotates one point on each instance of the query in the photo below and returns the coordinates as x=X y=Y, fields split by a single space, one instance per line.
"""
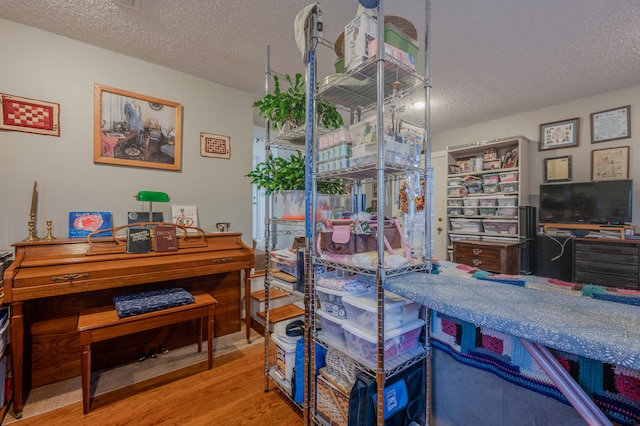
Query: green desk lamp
x=151 y=197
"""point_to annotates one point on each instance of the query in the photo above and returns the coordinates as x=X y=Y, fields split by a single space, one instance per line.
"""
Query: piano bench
x=103 y=323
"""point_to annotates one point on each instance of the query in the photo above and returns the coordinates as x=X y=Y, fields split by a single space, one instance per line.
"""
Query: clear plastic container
x=509 y=227
x=508 y=200
x=508 y=187
x=363 y=343
x=331 y=300
x=331 y=327
x=466 y=225
x=363 y=310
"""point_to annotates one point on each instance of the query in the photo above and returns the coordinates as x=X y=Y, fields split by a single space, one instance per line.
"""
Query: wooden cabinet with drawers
x=499 y=257
x=611 y=263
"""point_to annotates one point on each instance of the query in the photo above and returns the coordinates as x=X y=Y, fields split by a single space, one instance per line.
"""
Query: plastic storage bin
x=362 y=343
x=454 y=237
x=491 y=189
x=508 y=200
x=466 y=225
x=331 y=300
x=509 y=227
x=508 y=211
x=363 y=310
x=490 y=179
x=366 y=149
x=455 y=182
x=331 y=326
x=508 y=187
x=470 y=211
x=487 y=201
x=474 y=188
x=457 y=191
x=509 y=177
x=488 y=211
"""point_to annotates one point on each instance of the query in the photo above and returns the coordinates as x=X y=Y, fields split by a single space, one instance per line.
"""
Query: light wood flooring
x=232 y=393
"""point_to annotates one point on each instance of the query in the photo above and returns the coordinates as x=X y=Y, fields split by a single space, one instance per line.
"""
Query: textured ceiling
x=490 y=58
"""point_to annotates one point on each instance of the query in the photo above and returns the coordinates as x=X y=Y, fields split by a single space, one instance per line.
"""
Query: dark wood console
x=499 y=257
x=611 y=263
x=50 y=282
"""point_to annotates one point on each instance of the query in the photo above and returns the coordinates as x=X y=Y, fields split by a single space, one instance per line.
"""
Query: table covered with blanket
x=593 y=331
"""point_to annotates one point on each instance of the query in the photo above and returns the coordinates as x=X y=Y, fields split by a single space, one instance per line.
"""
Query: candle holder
x=49 y=236
x=32 y=230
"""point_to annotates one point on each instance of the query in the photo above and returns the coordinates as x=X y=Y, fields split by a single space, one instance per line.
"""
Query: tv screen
x=607 y=202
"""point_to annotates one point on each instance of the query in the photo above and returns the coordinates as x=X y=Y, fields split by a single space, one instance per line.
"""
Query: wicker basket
x=398 y=21
x=341 y=370
x=331 y=404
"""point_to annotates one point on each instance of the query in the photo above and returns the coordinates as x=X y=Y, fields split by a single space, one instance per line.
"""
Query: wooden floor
x=232 y=393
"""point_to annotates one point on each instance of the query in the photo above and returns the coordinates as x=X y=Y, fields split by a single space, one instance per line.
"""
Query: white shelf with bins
x=486 y=185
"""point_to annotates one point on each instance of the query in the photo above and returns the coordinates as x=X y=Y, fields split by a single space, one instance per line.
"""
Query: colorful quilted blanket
x=605 y=366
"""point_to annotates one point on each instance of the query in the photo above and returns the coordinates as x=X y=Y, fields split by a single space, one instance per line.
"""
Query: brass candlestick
x=32 y=229
x=49 y=236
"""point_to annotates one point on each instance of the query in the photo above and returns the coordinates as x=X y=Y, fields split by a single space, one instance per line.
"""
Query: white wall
x=528 y=124
x=48 y=67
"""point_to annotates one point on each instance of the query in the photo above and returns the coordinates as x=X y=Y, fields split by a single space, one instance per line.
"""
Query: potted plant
x=287 y=176
x=286 y=110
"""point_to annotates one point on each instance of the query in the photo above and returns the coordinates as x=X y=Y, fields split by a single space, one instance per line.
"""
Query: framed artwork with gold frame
x=136 y=130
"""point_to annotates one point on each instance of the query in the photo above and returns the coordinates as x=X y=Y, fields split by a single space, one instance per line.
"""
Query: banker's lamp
x=151 y=197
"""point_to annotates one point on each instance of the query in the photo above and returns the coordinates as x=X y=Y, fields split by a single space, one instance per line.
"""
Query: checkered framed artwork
x=215 y=146
x=29 y=115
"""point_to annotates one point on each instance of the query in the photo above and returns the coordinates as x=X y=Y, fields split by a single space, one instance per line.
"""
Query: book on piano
x=166 y=238
x=138 y=240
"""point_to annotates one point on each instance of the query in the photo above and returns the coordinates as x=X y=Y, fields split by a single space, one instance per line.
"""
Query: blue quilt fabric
x=149 y=301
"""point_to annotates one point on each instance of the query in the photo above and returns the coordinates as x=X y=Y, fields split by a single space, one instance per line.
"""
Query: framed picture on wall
x=610 y=125
x=610 y=163
x=560 y=134
x=130 y=129
x=557 y=169
x=215 y=146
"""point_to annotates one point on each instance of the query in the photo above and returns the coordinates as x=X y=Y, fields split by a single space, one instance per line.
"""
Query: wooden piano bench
x=103 y=323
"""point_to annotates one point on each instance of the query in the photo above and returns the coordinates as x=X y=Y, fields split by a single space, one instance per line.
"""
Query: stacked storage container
x=401 y=324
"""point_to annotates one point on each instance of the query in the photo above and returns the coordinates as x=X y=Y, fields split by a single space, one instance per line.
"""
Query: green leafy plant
x=287 y=108
x=279 y=174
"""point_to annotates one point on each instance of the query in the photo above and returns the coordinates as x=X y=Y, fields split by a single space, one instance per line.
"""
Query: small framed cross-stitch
x=215 y=146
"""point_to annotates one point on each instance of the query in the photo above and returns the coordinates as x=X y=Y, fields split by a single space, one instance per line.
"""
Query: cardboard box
x=357 y=36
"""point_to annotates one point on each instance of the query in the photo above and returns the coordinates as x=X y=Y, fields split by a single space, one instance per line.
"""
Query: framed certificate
x=557 y=169
x=610 y=125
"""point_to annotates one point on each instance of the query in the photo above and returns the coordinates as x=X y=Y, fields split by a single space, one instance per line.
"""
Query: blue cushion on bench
x=149 y=301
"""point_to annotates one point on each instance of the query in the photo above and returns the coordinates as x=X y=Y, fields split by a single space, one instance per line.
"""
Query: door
x=258 y=198
x=439 y=165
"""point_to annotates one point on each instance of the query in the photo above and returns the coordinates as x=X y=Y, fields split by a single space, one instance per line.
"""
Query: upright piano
x=50 y=282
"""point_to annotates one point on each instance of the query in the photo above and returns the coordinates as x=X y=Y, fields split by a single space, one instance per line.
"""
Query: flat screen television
x=606 y=202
